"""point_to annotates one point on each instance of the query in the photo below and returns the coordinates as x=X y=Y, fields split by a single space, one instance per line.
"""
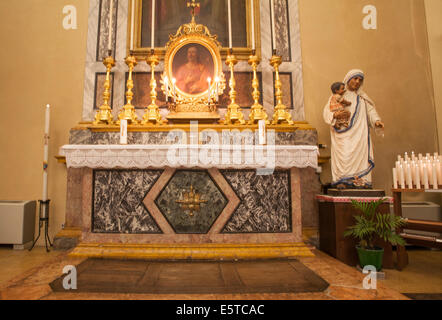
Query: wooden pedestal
x=335 y=216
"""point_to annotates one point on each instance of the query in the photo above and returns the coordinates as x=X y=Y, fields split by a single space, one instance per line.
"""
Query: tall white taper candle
x=46 y=154
x=426 y=184
x=111 y=16
x=132 y=25
x=402 y=176
x=252 y=18
x=272 y=10
x=152 y=42
x=229 y=7
x=435 y=185
x=417 y=177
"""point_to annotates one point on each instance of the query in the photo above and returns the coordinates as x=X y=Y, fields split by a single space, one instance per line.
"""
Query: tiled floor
x=26 y=275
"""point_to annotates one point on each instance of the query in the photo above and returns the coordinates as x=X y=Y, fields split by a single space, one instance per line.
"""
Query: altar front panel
x=139 y=206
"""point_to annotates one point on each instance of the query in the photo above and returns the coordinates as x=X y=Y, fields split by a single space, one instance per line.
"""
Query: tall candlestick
x=111 y=16
x=252 y=18
x=46 y=154
x=152 y=45
x=132 y=25
x=272 y=10
x=394 y=178
x=230 y=23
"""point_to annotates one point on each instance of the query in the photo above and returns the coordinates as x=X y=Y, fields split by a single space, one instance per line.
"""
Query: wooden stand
x=335 y=216
x=422 y=225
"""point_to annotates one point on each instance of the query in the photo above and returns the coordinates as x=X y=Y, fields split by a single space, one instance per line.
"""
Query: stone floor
x=33 y=283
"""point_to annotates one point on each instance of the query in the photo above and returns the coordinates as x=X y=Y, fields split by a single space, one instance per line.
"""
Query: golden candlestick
x=128 y=111
x=104 y=114
x=257 y=113
x=234 y=114
x=281 y=114
x=152 y=112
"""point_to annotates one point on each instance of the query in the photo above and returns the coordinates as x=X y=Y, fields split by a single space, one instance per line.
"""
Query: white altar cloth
x=190 y=156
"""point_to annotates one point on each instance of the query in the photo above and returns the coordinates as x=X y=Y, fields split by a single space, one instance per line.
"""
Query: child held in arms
x=338 y=104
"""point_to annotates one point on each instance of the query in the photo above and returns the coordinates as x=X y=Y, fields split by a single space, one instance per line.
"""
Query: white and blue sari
x=351 y=148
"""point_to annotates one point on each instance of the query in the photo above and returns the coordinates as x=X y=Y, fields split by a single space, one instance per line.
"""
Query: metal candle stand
x=43 y=218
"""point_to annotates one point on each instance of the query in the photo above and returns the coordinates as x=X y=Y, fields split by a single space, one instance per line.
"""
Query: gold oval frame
x=171 y=51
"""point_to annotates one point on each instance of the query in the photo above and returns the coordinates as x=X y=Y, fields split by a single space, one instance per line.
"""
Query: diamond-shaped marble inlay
x=170 y=201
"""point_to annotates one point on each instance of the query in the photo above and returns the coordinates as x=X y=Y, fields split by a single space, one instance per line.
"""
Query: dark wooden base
x=356 y=193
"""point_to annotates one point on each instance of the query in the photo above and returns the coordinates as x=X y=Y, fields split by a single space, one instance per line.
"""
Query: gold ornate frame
x=242 y=53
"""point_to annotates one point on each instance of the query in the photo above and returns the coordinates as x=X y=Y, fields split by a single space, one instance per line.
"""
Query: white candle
x=174 y=88
x=420 y=156
x=216 y=88
x=406 y=156
x=46 y=154
x=417 y=177
x=402 y=176
x=209 y=80
x=132 y=25
x=272 y=10
x=426 y=185
x=230 y=23
x=123 y=131
x=409 y=177
x=262 y=132
x=399 y=158
x=435 y=186
x=439 y=171
x=394 y=178
x=152 y=45
x=111 y=16
x=430 y=172
x=252 y=18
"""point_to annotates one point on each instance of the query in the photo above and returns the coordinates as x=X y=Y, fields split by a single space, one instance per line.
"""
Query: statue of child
x=338 y=104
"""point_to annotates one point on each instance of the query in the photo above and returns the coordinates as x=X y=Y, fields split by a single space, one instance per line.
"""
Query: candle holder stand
x=234 y=114
x=43 y=219
x=128 y=111
x=104 y=114
x=152 y=113
x=257 y=112
x=281 y=115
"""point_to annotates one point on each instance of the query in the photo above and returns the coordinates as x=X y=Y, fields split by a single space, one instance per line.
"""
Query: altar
x=189 y=182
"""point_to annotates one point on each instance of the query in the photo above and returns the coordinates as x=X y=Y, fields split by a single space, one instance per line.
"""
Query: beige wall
x=433 y=10
x=395 y=58
x=43 y=63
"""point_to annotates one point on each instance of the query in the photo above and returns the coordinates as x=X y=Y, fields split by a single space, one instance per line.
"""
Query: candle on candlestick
x=152 y=43
x=111 y=16
x=132 y=25
x=216 y=88
x=166 y=87
x=252 y=18
x=272 y=10
x=46 y=154
x=394 y=178
x=174 y=88
x=209 y=80
x=229 y=7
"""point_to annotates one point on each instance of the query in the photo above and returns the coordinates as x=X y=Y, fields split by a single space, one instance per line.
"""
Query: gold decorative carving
x=191 y=201
x=281 y=115
x=128 y=110
x=104 y=114
x=257 y=111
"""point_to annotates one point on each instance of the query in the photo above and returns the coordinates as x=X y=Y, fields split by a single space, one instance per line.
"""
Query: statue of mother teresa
x=351 y=147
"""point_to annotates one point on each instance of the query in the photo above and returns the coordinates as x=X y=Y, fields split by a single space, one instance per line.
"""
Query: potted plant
x=370 y=226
